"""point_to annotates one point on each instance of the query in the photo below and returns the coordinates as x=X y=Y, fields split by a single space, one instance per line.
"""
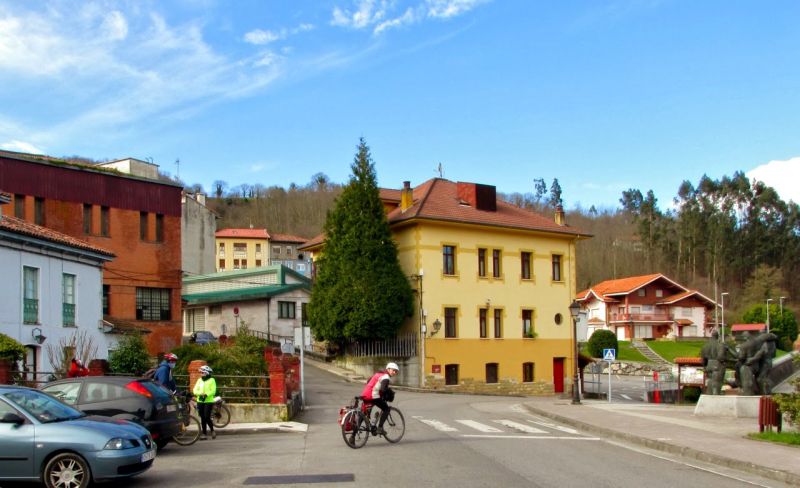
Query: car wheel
x=67 y=470
x=162 y=443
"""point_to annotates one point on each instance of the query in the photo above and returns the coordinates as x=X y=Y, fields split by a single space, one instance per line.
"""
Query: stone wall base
x=245 y=413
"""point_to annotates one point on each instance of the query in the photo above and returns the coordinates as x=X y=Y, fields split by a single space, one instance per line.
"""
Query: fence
x=662 y=389
x=235 y=388
x=402 y=346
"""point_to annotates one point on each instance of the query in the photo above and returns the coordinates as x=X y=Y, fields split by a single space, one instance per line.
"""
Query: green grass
x=628 y=353
x=670 y=350
x=791 y=438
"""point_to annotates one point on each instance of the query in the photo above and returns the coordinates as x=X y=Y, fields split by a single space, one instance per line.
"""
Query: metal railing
x=641 y=317
x=402 y=346
x=235 y=388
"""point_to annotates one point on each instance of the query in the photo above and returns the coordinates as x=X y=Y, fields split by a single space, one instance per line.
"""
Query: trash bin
x=768 y=414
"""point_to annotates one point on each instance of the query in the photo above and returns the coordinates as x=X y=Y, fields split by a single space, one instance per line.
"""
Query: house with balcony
x=647 y=307
x=270 y=300
x=51 y=293
x=493 y=283
x=255 y=248
x=135 y=215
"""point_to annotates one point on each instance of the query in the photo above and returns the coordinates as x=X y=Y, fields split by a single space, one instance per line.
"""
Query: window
x=659 y=293
x=641 y=292
x=19 y=206
x=159 y=227
x=87 y=218
x=235 y=264
x=525 y=262
x=558 y=319
x=106 y=299
x=239 y=249
x=104 y=221
x=482 y=262
x=222 y=250
x=38 y=211
x=258 y=263
x=221 y=265
x=286 y=310
x=68 y=299
x=498 y=323
x=482 y=321
x=153 y=304
x=276 y=250
x=215 y=309
x=244 y=264
x=30 y=305
x=450 y=329
x=556 y=267
x=289 y=251
x=527 y=372
x=496 y=263
x=304 y=314
x=450 y=374
x=491 y=372
x=527 y=323
x=449 y=260
x=143 y=226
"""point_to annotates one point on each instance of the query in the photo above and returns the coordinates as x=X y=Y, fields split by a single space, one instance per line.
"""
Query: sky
x=602 y=95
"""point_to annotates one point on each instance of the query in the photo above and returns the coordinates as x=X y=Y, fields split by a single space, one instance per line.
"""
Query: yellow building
x=493 y=285
x=256 y=248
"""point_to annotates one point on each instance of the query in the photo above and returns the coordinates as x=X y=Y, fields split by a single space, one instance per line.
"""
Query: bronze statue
x=713 y=354
x=755 y=362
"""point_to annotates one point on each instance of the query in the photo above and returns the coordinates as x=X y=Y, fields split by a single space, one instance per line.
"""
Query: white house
x=52 y=292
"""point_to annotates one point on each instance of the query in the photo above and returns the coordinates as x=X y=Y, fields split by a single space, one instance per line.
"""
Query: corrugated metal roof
x=243 y=294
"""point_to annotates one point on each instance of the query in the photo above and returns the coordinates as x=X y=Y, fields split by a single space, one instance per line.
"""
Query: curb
x=687 y=452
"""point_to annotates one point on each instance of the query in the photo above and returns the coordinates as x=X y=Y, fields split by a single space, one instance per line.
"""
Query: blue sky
x=603 y=95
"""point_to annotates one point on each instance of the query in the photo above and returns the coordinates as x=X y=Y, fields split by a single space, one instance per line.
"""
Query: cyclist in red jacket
x=377 y=389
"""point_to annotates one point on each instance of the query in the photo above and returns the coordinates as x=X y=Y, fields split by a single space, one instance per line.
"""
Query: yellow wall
x=251 y=255
x=420 y=248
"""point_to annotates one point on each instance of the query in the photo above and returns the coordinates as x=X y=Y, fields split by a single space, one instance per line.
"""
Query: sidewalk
x=676 y=430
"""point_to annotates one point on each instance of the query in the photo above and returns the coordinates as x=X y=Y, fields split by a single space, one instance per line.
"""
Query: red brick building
x=138 y=219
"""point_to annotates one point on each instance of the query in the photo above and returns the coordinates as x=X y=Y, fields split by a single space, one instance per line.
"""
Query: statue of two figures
x=753 y=361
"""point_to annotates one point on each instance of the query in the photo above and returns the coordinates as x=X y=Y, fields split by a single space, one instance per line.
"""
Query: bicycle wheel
x=358 y=434
x=395 y=426
x=220 y=415
x=189 y=433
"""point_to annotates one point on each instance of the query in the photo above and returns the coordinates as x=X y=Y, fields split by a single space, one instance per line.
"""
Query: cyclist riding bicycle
x=377 y=391
x=163 y=374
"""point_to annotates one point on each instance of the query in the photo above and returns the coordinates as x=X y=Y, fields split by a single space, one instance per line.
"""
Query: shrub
x=10 y=349
x=789 y=403
x=601 y=339
x=130 y=357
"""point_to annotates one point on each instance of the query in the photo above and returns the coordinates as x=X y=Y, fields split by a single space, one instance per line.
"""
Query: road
x=451 y=440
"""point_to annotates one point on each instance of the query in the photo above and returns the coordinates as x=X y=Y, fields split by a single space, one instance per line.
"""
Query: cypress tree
x=360 y=290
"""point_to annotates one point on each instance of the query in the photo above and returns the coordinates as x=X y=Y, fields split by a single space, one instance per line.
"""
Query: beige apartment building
x=256 y=248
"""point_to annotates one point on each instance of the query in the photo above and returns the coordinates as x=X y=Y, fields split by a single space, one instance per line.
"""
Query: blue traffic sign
x=609 y=354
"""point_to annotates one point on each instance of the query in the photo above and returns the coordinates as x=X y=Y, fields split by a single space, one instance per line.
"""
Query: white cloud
x=450 y=8
x=260 y=37
x=367 y=13
x=407 y=18
x=116 y=26
x=21 y=146
x=378 y=14
x=780 y=175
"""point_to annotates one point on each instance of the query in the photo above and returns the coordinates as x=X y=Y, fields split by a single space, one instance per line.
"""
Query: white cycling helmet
x=206 y=370
x=393 y=366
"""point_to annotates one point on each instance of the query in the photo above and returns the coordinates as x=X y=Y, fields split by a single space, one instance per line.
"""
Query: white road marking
x=521 y=427
x=554 y=426
x=625 y=396
x=479 y=426
x=440 y=426
x=534 y=437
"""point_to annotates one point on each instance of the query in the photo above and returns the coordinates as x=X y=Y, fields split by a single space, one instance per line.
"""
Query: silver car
x=42 y=438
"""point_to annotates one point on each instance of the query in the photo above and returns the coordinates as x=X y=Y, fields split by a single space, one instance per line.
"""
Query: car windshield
x=43 y=407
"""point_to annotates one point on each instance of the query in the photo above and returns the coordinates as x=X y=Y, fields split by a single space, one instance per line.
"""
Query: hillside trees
x=360 y=291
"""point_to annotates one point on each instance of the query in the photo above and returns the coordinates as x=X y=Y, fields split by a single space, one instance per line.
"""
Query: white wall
x=88 y=301
x=198 y=226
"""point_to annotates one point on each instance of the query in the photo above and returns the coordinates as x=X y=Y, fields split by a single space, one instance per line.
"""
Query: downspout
x=268 y=314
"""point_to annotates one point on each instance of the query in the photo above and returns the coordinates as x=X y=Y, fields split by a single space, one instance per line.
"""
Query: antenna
x=178 y=168
x=440 y=170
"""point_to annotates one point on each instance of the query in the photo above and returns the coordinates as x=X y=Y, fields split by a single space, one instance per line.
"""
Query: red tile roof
x=244 y=233
x=621 y=286
x=437 y=199
x=22 y=227
x=286 y=238
x=743 y=327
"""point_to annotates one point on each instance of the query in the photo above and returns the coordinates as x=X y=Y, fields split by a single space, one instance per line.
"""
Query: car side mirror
x=12 y=418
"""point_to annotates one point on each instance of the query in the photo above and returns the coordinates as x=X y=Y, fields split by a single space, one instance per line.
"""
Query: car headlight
x=119 y=443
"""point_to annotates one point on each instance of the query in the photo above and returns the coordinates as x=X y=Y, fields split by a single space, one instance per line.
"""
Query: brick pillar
x=194 y=372
x=292 y=366
x=277 y=382
x=98 y=367
x=5 y=372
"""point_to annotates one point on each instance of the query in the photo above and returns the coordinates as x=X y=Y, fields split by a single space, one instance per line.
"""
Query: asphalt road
x=450 y=440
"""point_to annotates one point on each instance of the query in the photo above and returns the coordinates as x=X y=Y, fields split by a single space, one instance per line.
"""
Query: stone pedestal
x=734 y=406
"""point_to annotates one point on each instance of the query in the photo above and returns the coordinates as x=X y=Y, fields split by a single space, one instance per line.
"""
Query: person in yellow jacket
x=205 y=390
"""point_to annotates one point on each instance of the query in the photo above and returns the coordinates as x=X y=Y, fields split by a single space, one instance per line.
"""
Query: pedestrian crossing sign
x=609 y=354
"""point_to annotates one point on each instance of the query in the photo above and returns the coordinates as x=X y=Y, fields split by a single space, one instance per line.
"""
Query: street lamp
x=781 y=301
x=574 y=310
x=722 y=299
x=768 y=300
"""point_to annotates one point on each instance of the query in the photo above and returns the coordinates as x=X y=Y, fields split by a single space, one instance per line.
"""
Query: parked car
x=122 y=397
x=44 y=439
x=202 y=337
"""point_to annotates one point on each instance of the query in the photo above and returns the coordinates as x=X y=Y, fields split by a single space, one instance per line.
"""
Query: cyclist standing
x=163 y=374
x=377 y=391
x=205 y=390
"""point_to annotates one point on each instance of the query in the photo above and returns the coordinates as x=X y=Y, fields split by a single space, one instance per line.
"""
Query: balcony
x=30 y=313
x=641 y=317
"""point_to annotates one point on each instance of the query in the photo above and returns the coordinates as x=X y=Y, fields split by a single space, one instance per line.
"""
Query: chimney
x=406 y=197
x=560 y=219
x=480 y=197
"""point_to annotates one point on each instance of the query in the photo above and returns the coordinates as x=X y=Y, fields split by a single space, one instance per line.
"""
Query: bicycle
x=220 y=414
x=360 y=420
x=190 y=424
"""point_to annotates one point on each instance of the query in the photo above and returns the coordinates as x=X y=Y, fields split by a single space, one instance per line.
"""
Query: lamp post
x=574 y=310
x=722 y=299
x=781 y=302
x=768 y=300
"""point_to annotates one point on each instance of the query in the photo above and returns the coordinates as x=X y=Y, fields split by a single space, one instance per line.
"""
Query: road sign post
x=609 y=355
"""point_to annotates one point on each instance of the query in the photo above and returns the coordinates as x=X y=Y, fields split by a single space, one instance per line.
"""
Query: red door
x=558 y=375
